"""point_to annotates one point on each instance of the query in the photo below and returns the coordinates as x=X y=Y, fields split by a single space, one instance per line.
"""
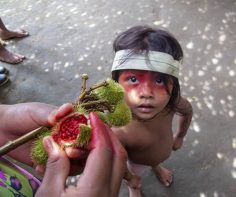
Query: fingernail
x=48 y=143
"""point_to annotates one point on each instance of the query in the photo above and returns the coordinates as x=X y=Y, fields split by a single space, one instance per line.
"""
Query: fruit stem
x=19 y=141
x=87 y=92
x=84 y=78
x=98 y=103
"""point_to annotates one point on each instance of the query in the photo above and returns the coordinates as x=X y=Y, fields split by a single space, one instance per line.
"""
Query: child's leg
x=134 y=192
x=134 y=182
x=163 y=174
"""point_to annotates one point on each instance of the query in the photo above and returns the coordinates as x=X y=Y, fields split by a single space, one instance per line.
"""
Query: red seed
x=69 y=127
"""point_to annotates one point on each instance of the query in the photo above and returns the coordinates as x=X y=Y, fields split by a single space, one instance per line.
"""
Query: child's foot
x=134 y=182
x=8 y=57
x=164 y=175
x=134 y=192
x=6 y=34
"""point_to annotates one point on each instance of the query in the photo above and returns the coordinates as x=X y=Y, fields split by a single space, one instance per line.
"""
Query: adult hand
x=19 y=119
x=103 y=172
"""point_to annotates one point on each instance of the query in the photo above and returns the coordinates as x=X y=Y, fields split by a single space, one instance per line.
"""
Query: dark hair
x=144 y=38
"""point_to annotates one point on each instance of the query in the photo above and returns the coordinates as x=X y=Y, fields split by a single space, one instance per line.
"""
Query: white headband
x=155 y=61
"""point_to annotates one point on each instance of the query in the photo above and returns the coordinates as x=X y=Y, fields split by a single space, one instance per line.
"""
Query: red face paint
x=145 y=92
x=142 y=81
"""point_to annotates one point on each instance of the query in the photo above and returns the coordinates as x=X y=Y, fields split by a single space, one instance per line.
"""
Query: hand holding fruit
x=77 y=165
x=19 y=119
x=71 y=131
x=104 y=169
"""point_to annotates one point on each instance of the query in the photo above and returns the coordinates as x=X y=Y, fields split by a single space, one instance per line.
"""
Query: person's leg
x=136 y=170
x=9 y=57
x=134 y=192
x=6 y=34
x=3 y=79
x=163 y=174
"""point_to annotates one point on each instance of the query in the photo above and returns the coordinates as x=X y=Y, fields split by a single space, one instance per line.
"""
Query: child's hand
x=178 y=142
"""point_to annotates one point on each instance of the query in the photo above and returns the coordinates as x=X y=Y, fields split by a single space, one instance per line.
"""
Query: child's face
x=145 y=92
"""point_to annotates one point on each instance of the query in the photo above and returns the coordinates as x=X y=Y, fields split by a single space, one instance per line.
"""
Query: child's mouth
x=145 y=108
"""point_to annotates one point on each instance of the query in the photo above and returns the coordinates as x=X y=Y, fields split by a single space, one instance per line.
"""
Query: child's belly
x=153 y=154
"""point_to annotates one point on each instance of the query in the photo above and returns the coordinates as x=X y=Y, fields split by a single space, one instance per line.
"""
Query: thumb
x=57 y=168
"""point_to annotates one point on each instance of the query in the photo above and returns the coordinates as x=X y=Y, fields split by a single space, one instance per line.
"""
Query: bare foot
x=134 y=182
x=8 y=57
x=6 y=34
x=164 y=175
x=134 y=192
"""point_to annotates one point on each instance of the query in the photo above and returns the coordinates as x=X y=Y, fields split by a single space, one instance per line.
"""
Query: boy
x=147 y=64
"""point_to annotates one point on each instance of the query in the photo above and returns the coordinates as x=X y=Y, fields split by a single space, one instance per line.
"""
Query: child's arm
x=184 y=120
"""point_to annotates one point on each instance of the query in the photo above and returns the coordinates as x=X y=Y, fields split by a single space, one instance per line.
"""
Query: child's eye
x=132 y=79
x=159 y=82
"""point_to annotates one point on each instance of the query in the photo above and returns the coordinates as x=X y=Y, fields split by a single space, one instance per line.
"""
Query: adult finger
x=59 y=113
x=119 y=164
x=96 y=176
x=57 y=170
x=78 y=157
x=74 y=153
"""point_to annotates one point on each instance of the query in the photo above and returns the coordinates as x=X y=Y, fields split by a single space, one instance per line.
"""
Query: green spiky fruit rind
x=121 y=116
x=79 y=109
x=38 y=153
x=112 y=92
x=84 y=135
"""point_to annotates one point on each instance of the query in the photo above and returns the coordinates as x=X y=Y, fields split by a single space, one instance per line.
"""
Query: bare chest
x=150 y=144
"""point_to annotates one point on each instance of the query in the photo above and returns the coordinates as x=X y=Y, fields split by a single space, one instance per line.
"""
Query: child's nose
x=146 y=90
